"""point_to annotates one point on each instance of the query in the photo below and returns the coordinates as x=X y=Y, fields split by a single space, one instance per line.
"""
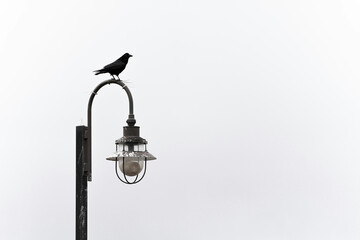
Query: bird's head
x=127 y=55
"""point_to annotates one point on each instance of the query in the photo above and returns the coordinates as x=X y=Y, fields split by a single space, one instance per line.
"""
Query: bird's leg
x=113 y=77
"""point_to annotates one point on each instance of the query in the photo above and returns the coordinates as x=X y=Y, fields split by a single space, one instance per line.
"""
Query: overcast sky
x=251 y=107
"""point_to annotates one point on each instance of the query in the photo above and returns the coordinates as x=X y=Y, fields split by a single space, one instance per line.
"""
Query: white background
x=251 y=107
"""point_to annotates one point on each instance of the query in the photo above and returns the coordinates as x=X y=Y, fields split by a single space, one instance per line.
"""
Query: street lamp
x=131 y=157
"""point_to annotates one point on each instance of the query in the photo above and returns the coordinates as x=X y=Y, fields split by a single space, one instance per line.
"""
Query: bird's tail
x=97 y=72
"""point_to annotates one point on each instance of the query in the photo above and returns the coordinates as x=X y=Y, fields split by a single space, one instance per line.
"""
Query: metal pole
x=81 y=184
x=131 y=119
x=83 y=159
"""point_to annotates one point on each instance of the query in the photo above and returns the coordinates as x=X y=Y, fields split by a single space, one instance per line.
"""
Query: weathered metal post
x=83 y=157
x=81 y=184
x=83 y=160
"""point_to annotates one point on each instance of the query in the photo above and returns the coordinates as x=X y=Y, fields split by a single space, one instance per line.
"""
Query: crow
x=116 y=67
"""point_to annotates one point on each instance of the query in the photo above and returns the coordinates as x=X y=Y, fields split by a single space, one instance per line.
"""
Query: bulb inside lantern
x=131 y=167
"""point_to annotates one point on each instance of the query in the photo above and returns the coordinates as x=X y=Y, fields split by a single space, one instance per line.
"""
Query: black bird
x=116 y=67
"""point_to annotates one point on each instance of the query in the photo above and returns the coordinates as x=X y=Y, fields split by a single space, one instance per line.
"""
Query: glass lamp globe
x=131 y=152
x=131 y=164
x=130 y=167
x=131 y=157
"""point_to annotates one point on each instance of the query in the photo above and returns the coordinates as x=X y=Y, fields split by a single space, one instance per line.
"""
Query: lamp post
x=131 y=157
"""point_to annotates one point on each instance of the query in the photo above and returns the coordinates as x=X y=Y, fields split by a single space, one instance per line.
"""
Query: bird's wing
x=116 y=64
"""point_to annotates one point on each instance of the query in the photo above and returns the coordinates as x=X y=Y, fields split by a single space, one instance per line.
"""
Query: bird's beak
x=130 y=55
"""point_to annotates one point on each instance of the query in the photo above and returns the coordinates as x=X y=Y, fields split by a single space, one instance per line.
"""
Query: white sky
x=252 y=108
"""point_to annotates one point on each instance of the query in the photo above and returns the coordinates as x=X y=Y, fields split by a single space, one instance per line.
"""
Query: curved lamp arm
x=131 y=119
